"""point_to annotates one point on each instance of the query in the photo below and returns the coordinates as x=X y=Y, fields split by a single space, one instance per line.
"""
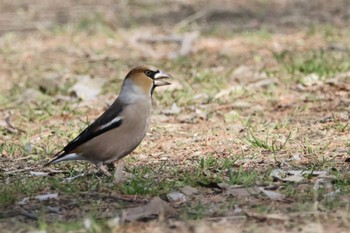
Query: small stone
x=87 y=223
x=176 y=197
x=189 y=191
x=296 y=157
x=344 y=116
x=311 y=79
x=114 y=222
x=242 y=192
x=174 y=110
x=50 y=85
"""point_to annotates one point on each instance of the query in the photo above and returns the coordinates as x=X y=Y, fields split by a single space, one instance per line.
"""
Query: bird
x=122 y=127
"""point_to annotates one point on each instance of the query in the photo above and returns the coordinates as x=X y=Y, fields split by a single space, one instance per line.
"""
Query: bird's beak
x=159 y=79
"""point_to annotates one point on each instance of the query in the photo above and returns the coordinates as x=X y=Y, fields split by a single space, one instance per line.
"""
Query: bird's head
x=147 y=78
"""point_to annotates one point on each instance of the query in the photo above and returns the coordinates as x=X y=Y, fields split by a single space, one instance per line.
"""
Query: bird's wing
x=110 y=119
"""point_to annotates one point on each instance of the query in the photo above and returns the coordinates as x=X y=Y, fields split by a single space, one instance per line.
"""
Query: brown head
x=147 y=78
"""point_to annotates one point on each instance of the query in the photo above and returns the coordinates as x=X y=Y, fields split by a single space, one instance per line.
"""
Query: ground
x=252 y=135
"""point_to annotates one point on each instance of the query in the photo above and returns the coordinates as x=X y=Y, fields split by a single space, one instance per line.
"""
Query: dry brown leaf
x=155 y=207
x=87 y=88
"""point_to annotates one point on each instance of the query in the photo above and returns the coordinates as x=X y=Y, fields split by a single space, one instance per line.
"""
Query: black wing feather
x=93 y=130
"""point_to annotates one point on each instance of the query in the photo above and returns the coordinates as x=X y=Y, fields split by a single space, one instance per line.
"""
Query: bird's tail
x=64 y=156
x=58 y=156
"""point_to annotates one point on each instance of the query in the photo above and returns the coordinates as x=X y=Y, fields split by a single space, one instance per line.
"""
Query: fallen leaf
x=47 y=196
x=311 y=79
x=272 y=194
x=23 y=201
x=278 y=174
x=87 y=88
x=38 y=173
x=294 y=175
x=155 y=207
x=303 y=172
x=294 y=178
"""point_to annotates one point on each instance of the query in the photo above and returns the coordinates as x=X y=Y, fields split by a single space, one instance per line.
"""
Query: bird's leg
x=103 y=169
x=118 y=173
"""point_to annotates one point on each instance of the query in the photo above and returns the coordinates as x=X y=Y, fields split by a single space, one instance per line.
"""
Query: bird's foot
x=104 y=170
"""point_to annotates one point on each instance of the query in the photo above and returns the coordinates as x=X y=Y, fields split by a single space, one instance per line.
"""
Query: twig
x=226 y=217
x=264 y=217
x=73 y=178
x=18 y=170
x=29 y=215
x=190 y=19
x=11 y=128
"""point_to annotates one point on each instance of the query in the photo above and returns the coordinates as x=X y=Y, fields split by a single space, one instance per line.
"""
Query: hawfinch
x=122 y=127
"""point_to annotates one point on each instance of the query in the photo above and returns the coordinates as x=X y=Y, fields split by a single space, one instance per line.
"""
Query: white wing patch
x=110 y=123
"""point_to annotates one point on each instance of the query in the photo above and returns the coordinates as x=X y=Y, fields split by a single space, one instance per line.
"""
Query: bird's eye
x=149 y=73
